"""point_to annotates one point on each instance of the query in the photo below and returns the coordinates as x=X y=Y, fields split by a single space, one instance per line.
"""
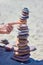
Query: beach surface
x=10 y=11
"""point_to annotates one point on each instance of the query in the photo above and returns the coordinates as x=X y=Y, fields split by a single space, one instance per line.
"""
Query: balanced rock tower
x=21 y=48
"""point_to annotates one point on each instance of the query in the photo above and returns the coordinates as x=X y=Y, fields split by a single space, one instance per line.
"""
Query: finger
x=7 y=29
x=10 y=27
x=11 y=24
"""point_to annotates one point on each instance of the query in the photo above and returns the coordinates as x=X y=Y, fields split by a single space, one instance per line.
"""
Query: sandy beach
x=10 y=11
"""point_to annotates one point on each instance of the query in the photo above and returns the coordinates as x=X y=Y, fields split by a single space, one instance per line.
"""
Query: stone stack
x=21 y=49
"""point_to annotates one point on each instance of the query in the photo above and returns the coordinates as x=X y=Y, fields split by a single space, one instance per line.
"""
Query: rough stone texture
x=9 y=12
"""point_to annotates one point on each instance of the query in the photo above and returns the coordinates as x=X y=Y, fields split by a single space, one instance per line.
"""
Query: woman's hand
x=6 y=29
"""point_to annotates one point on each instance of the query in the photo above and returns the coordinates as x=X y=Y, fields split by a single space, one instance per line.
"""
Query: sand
x=10 y=10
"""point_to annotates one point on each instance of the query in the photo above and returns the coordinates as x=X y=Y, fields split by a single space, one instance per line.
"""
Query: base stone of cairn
x=21 y=48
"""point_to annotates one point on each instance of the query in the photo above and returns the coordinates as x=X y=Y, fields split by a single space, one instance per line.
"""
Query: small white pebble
x=22 y=63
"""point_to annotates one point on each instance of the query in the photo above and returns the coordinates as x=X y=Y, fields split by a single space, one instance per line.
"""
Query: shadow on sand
x=5 y=59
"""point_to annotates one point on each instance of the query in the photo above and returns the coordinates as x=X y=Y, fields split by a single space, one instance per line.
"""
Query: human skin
x=7 y=28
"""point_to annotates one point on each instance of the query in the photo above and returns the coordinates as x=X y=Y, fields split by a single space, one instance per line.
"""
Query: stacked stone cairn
x=21 y=49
